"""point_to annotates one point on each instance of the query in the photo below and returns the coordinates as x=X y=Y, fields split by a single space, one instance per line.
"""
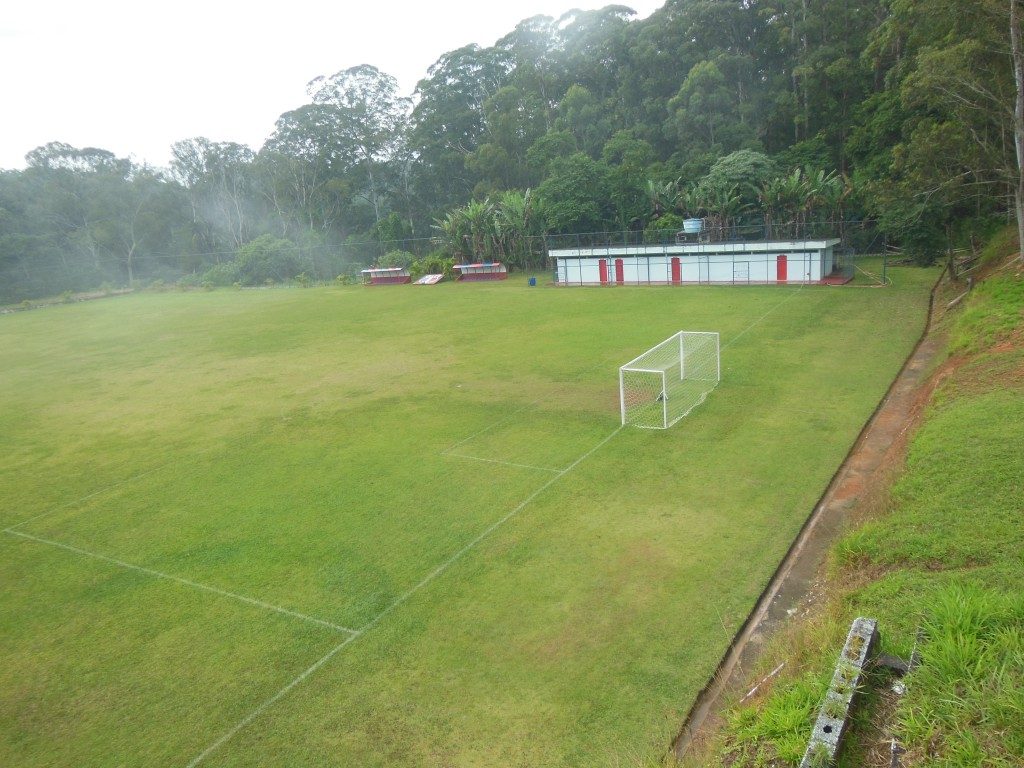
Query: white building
x=797 y=261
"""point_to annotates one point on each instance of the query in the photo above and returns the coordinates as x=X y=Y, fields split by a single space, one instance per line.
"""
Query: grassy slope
x=946 y=555
x=293 y=443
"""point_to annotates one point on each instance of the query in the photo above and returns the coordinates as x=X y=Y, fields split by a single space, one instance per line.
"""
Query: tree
x=370 y=122
x=519 y=226
x=704 y=112
x=973 y=76
x=221 y=183
x=549 y=146
x=586 y=118
x=730 y=187
x=576 y=195
x=939 y=139
x=305 y=163
x=448 y=124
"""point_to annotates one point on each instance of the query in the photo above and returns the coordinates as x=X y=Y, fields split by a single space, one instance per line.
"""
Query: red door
x=780 y=268
x=602 y=266
x=619 y=278
x=677 y=272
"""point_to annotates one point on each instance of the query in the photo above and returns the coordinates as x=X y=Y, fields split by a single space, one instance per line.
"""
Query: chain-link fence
x=326 y=262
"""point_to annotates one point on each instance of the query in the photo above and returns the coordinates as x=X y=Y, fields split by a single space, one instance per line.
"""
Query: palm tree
x=453 y=234
x=792 y=197
x=479 y=215
x=770 y=197
x=516 y=222
x=827 y=192
x=723 y=205
x=662 y=196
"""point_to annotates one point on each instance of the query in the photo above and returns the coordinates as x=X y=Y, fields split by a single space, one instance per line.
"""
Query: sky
x=133 y=77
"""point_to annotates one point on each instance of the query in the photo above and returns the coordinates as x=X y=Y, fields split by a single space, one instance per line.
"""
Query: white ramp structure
x=666 y=382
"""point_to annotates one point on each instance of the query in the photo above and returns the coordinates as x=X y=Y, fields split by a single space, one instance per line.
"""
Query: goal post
x=669 y=380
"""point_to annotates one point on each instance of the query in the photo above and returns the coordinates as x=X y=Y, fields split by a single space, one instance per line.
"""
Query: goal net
x=668 y=381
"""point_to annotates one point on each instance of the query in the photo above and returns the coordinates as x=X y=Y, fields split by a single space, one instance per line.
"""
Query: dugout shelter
x=487 y=270
x=386 y=276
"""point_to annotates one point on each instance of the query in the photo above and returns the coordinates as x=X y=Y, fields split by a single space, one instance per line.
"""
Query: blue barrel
x=533 y=281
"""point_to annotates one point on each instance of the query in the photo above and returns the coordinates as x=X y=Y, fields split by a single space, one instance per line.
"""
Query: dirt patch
x=798 y=586
x=872 y=738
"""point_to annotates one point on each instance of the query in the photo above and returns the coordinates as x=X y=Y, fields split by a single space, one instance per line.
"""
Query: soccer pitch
x=402 y=526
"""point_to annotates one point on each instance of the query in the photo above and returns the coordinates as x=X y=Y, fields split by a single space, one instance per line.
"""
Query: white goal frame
x=665 y=383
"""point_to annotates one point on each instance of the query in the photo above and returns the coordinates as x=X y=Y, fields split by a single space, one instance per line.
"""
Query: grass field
x=401 y=526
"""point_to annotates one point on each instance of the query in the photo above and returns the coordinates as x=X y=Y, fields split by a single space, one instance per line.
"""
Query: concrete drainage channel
x=798 y=569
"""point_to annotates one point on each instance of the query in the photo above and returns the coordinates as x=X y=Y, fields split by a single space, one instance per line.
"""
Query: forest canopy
x=779 y=113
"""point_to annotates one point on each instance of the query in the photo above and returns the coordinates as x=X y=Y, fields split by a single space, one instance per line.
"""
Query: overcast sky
x=133 y=77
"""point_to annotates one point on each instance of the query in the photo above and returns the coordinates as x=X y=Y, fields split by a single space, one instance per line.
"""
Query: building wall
x=656 y=269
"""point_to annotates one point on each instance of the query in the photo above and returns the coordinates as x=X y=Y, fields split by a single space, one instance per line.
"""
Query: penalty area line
x=489 y=427
x=112 y=486
x=762 y=317
x=499 y=461
x=187 y=582
x=486 y=532
x=397 y=602
x=228 y=735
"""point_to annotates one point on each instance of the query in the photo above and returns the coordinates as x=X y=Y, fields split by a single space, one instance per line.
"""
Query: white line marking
x=488 y=428
x=396 y=603
x=486 y=532
x=186 y=582
x=59 y=507
x=269 y=702
x=499 y=461
x=762 y=317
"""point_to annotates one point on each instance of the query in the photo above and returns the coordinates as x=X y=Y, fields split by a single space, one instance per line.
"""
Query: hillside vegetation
x=940 y=553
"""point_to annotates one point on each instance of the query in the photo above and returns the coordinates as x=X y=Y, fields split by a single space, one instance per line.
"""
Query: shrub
x=267 y=260
x=221 y=274
x=191 y=280
x=663 y=228
x=263 y=261
x=396 y=259
x=432 y=264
